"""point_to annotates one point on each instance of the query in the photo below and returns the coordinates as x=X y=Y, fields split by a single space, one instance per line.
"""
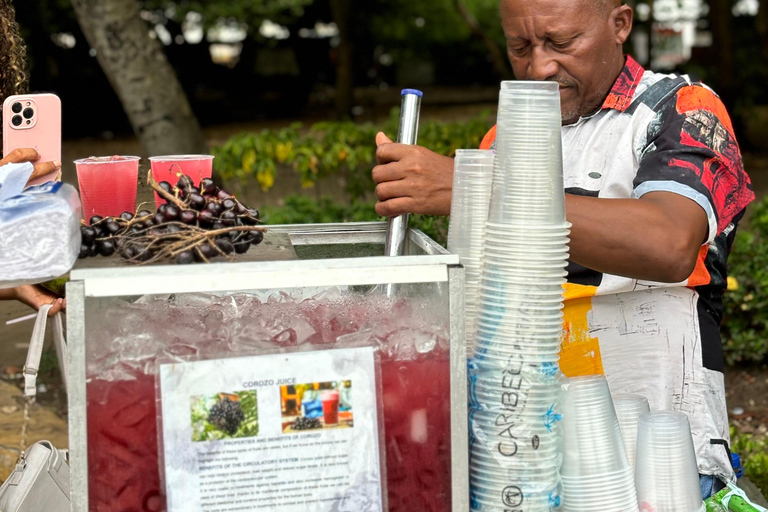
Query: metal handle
x=407 y=134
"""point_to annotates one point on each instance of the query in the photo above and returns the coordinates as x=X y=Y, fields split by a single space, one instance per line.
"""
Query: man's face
x=572 y=42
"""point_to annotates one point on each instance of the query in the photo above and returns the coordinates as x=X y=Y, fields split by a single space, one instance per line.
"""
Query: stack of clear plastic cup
x=667 y=476
x=628 y=411
x=595 y=473
x=472 y=175
x=514 y=375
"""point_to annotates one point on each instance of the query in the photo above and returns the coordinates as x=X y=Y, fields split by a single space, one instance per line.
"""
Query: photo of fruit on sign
x=224 y=416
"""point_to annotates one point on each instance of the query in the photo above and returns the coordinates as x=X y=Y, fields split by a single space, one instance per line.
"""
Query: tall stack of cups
x=596 y=474
x=628 y=411
x=667 y=476
x=472 y=175
x=515 y=380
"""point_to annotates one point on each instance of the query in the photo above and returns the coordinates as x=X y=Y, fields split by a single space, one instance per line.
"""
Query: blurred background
x=288 y=95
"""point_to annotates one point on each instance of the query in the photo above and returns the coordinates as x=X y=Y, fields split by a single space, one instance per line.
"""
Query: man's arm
x=654 y=238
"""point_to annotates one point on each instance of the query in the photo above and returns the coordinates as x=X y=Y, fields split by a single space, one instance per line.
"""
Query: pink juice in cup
x=330 y=407
x=108 y=185
x=169 y=167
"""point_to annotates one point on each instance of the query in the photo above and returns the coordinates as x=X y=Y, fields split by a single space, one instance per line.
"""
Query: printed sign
x=284 y=432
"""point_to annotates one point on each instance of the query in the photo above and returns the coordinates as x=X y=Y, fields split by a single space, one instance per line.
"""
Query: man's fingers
x=391 y=190
x=58 y=306
x=389 y=172
x=381 y=138
x=44 y=169
x=395 y=207
x=392 y=152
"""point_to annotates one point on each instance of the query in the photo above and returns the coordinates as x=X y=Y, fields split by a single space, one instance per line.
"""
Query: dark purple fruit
x=162 y=208
x=208 y=186
x=188 y=217
x=88 y=235
x=106 y=248
x=257 y=237
x=172 y=229
x=229 y=218
x=143 y=253
x=184 y=183
x=185 y=258
x=193 y=190
x=167 y=187
x=94 y=250
x=206 y=217
x=223 y=194
x=214 y=208
x=196 y=201
x=241 y=247
x=158 y=219
x=95 y=219
x=85 y=251
x=172 y=213
x=113 y=227
x=218 y=225
x=228 y=203
x=225 y=245
x=144 y=213
x=126 y=216
x=254 y=213
x=240 y=209
x=208 y=251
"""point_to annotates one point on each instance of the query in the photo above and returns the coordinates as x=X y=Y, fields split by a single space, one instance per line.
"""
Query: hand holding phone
x=32 y=133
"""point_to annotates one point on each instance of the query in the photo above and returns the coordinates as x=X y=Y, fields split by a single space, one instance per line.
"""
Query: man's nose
x=542 y=66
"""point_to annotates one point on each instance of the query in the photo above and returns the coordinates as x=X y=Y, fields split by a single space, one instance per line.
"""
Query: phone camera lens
x=28 y=113
x=16 y=120
x=16 y=107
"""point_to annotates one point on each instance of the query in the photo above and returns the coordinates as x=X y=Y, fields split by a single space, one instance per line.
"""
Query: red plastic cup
x=169 y=167
x=108 y=185
x=330 y=401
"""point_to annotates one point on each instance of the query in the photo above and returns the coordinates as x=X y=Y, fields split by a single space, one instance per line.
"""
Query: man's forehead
x=521 y=8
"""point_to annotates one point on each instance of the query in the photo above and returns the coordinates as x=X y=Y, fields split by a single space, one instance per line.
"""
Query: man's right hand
x=21 y=155
x=411 y=179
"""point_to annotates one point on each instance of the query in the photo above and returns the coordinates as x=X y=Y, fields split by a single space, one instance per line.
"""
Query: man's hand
x=411 y=179
x=21 y=155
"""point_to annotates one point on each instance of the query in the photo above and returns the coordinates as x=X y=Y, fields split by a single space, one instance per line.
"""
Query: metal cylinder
x=407 y=134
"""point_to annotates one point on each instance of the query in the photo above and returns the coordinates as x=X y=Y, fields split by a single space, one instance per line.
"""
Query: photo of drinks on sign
x=317 y=405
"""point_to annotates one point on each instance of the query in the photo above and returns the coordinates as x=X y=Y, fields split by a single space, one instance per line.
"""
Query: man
x=654 y=189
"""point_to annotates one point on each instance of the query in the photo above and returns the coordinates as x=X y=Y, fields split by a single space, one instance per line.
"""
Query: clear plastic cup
x=170 y=167
x=108 y=185
x=667 y=476
x=592 y=438
x=629 y=407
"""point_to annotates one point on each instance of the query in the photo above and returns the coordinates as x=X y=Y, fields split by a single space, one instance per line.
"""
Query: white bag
x=40 y=481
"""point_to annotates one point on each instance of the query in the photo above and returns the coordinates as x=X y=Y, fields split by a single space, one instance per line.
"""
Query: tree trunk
x=762 y=28
x=720 y=19
x=499 y=61
x=341 y=11
x=141 y=75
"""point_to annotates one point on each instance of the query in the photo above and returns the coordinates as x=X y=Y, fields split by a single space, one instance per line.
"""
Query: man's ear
x=621 y=20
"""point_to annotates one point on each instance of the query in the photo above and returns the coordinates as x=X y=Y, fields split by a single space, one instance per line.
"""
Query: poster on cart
x=282 y=432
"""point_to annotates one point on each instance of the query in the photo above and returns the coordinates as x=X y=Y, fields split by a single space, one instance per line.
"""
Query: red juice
x=108 y=185
x=330 y=401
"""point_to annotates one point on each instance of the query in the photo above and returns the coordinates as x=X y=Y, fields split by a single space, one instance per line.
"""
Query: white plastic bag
x=39 y=234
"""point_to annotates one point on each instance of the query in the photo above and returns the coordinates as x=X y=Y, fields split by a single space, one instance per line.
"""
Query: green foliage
x=202 y=430
x=754 y=457
x=332 y=148
x=745 y=318
x=306 y=210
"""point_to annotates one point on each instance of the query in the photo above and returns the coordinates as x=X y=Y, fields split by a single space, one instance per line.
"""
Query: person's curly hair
x=13 y=54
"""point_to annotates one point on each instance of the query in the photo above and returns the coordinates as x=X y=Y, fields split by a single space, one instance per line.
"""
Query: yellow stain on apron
x=579 y=352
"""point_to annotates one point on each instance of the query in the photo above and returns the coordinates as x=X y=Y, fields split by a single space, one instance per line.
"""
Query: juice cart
x=311 y=298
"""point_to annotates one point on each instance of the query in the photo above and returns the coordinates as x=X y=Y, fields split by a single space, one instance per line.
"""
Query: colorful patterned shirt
x=656 y=133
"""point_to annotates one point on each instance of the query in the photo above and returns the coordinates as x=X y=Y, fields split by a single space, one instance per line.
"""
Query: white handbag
x=40 y=481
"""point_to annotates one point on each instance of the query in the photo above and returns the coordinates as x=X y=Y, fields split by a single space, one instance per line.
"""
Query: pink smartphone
x=33 y=121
